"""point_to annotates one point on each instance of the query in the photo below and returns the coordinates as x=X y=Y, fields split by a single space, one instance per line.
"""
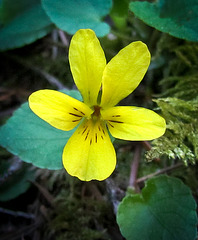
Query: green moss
x=179 y=106
x=81 y=215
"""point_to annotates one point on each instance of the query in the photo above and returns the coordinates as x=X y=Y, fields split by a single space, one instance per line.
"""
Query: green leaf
x=11 y=9
x=34 y=140
x=23 y=24
x=178 y=18
x=70 y=15
x=16 y=179
x=165 y=210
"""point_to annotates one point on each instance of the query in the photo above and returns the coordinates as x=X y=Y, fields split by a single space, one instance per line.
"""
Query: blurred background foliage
x=34 y=41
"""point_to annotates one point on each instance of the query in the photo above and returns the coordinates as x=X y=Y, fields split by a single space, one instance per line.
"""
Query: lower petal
x=89 y=153
x=133 y=123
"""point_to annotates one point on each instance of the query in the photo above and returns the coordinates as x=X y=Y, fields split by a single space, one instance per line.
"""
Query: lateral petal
x=134 y=123
x=124 y=73
x=58 y=109
x=87 y=62
x=89 y=153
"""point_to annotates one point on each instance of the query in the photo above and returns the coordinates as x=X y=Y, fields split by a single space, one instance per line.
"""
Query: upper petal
x=89 y=153
x=87 y=62
x=134 y=123
x=58 y=109
x=124 y=73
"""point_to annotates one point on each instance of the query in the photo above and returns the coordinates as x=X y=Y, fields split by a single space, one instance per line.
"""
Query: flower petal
x=89 y=153
x=58 y=109
x=87 y=62
x=124 y=73
x=133 y=123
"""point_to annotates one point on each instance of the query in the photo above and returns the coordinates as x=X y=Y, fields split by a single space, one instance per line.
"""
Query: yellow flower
x=89 y=153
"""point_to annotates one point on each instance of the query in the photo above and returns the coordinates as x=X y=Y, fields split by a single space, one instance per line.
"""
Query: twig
x=164 y=170
x=15 y=165
x=154 y=39
x=63 y=38
x=146 y=145
x=58 y=44
x=45 y=193
x=54 y=48
x=134 y=168
x=17 y=213
x=50 y=78
x=115 y=193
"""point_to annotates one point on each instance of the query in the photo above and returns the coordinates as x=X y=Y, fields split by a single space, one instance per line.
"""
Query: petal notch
x=89 y=153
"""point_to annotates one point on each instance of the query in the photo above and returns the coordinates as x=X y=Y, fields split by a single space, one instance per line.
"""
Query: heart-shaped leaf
x=165 y=210
x=178 y=18
x=34 y=140
x=70 y=15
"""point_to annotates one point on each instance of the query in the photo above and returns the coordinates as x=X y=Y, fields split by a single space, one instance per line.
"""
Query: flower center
x=96 y=114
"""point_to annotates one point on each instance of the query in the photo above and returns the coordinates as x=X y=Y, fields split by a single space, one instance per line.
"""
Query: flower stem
x=134 y=169
x=164 y=170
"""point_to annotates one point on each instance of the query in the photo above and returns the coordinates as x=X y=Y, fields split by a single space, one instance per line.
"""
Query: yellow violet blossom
x=89 y=153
